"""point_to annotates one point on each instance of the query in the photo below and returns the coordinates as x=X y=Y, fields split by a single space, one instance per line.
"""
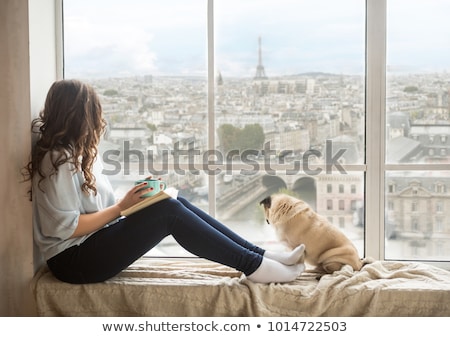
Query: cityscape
x=149 y=118
x=275 y=129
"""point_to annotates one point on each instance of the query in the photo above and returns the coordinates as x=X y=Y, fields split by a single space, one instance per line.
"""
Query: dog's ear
x=267 y=202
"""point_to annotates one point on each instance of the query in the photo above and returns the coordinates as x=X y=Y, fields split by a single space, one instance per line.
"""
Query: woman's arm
x=91 y=222
x=88 y=223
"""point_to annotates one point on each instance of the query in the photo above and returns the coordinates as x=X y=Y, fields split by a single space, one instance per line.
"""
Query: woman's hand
x=151 y=178
x=133 y=196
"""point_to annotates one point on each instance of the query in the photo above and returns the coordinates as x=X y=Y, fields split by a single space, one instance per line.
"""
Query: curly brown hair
x=69 y=127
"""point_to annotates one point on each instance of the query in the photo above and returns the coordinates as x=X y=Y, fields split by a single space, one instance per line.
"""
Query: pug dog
x=295 y=222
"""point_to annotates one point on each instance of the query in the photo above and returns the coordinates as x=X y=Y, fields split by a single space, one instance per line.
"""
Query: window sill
x=195 y=287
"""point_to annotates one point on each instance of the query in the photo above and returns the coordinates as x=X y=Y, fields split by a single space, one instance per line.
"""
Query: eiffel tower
x=260 y=72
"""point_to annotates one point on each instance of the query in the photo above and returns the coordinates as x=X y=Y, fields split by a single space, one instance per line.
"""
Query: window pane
x=147 y=61
x=239 y=196
x=417 y=129
x=296 y=69
x=289 y=89
x=418 y=81
x=417 y=227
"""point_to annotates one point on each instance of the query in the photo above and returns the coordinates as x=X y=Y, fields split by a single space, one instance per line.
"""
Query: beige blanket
x=188 y=287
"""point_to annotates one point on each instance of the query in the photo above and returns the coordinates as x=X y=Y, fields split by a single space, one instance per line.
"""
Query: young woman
x=77 y=223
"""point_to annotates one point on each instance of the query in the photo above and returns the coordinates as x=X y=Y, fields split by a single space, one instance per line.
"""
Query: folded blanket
x=195 y=287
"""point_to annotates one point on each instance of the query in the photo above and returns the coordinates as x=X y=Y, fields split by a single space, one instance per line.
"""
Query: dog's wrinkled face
x=279 y=208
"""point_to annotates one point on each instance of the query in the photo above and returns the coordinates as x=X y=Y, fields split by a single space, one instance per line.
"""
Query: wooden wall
x=16 y=246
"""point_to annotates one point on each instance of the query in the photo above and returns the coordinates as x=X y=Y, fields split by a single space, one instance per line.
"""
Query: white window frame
x=374 y=167
x=375 y=134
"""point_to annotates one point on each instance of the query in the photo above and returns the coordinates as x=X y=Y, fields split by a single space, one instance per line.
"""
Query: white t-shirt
x=58 y=202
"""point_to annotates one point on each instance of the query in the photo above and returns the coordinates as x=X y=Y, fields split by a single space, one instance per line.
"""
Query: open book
x=169 y=192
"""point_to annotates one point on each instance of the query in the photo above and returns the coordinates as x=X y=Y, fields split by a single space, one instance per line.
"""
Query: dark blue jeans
x=112 y=249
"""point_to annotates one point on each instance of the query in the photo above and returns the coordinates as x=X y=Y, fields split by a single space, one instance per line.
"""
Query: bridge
x=258 y=186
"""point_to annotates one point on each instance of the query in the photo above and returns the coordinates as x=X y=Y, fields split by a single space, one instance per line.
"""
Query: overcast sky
x=106 y=38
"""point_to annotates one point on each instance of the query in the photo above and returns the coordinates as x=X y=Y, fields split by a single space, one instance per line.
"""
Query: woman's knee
x=172 y=202
x=172 y=206
x=182 y=200
x=165 y=212
x=161 y=209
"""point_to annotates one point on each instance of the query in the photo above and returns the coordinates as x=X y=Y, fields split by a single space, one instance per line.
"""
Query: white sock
x=273 y=271
x=287 y=258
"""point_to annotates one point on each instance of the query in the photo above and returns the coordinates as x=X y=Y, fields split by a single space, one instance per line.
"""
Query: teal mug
x=155 y=184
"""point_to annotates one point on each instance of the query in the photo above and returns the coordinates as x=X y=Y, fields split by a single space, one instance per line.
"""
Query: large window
x=230 y=101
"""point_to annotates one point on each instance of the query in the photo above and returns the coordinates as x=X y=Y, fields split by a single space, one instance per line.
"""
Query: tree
x=151 y=127
x=233 y=138
x=251 y=137
x=227 y=136
x=110 y=92
x=411 y=89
